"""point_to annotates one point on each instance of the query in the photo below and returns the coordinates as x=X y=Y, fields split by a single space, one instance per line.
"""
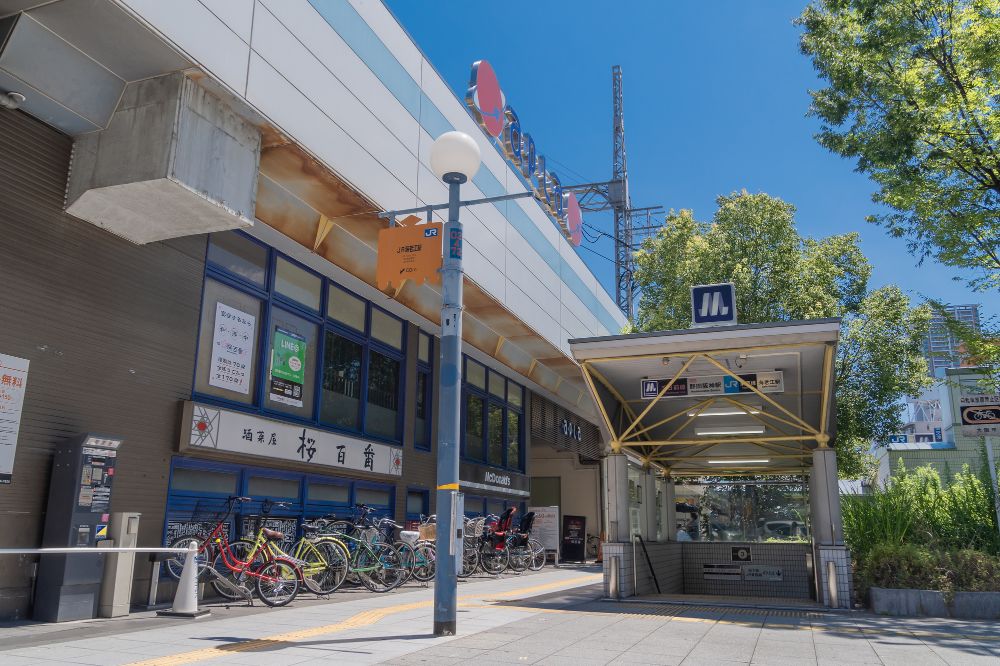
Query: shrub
x=909 y=566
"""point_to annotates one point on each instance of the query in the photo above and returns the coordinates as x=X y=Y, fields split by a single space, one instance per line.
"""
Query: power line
x=598 y=254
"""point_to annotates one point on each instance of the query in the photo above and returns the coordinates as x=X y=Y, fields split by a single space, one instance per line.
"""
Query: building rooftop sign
x=713 y=305
x=498 y=120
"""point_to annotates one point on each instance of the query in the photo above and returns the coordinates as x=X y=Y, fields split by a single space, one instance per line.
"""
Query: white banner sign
x=232 y=349
x=224 y=430
x=546 y=526
x=13 y=383
x=771 y=381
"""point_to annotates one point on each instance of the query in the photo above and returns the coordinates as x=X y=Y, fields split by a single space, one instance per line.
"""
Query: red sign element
x=486 y=98
x=574 y=219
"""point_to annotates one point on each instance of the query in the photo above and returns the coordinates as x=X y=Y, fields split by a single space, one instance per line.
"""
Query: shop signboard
x=211 y=428
x=409 y=251
x=483 y=477
x=574 y=538
x=232 y=349
x=13 y=383
x=546 y=526
x=500 y=122
x=762 y=573
x=288 y=367
x=772 y=381
x=980 y=414
x=722 y=572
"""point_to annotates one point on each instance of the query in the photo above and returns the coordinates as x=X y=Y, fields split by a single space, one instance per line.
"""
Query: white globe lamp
x=455 y=157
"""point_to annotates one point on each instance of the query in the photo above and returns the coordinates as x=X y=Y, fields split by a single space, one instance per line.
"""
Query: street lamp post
x=454 y=159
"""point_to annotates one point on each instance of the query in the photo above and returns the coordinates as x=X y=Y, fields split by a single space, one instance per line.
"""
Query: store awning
x=752 y=399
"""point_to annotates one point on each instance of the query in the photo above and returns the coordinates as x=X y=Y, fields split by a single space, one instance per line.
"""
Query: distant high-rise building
x=941 y=348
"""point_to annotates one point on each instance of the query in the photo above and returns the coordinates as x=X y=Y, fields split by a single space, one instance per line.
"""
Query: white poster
x=232 y=349
x=13 y=382
x=224 y=430
x=546 y=526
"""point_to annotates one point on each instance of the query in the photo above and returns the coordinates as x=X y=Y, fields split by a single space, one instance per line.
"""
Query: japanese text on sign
x=232 y=349
x=410 y=251
x=13 y=383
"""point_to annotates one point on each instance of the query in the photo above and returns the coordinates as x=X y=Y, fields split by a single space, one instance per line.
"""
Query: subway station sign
x=709 y=385
x=499 y=121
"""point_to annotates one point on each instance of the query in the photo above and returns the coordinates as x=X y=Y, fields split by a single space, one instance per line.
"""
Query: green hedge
x=903 y=566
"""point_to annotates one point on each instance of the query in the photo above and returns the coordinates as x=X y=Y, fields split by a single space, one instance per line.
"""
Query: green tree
x=914 y=98
x=752 y=241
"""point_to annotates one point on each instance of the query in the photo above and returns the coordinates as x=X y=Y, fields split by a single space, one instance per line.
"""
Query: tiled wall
x=667 y=562
x=791 y=558
x=841 y=558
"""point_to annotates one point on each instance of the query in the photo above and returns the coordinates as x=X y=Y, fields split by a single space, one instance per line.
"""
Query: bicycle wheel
x=470 y=561
x=407 y=558
x=426 y=562
x=494 y=561
x=237 y=553
x=379 y=567
x=277 y=582
x=204 y=556
x=326 y=564
x=537 y=559
x=518 y=557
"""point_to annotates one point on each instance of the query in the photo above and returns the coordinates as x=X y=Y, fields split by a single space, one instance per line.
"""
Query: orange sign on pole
x=411 y=252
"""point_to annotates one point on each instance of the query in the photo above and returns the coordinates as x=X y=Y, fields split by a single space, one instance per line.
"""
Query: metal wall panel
x=564 y=430
x=110 y=330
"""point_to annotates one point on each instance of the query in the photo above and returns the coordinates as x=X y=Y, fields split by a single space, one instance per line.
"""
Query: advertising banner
x=288 y=367
x=546 y=526
x=232 y=349
x=13 y=383
x=772 y=381
x=236 y=432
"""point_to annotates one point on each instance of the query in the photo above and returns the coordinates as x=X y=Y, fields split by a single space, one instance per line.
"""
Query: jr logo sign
x=713 y=305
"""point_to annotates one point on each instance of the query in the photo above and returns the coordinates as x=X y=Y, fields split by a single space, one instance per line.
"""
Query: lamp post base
x=445 y=628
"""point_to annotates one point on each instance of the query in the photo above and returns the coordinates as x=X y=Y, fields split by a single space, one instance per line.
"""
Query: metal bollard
x=186 y=597
x=831 y=583
x=614 y=585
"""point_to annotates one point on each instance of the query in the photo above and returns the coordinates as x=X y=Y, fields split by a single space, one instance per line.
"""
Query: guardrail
x=185 y=599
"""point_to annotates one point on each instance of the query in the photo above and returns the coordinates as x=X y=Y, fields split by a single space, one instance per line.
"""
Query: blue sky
x=715 y=101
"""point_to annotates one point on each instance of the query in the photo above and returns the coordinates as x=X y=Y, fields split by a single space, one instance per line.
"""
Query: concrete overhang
x=742 y=400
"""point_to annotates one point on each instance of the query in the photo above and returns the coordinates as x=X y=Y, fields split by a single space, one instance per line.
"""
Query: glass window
x=387 y=328
x=341 y=399
x=240 y=256
x=496 y=436
x=227 y=343
x=204 y=481
x=292 y=359
x=497 y=384
x=297 y=284
x=424 y=348
x=515 y=394
x=416 y=502
x=494 y=506
x=329 y=492
x=346 y=308
x=513 y=439
x=372 y=496
x=422 y=435
x=268 y=486
x=475 y=374
x=382 y=411
x=474 y=427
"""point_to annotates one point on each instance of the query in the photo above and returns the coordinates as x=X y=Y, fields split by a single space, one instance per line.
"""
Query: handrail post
x=186 y=597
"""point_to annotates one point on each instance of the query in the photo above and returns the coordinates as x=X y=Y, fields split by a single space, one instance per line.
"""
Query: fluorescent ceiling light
x=731 y=430
x=739 y=462
x=726 y=411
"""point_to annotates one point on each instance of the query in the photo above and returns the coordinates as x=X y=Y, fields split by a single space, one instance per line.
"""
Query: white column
x=649 y=505
x=824 y=492
x=614 y=467
x=669 y=509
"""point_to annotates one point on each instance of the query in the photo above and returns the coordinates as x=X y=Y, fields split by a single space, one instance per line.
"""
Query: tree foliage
x=779 y=275
x=913 y=96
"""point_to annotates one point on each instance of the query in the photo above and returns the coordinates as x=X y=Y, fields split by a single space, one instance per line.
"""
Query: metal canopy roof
x=706 y=414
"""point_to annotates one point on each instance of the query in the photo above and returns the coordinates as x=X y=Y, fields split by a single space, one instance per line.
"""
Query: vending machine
x=68 y=587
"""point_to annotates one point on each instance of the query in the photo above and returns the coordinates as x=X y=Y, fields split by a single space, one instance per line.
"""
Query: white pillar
x=649 y=505
x=824 y=492
x=615 y=470
x=669 y=510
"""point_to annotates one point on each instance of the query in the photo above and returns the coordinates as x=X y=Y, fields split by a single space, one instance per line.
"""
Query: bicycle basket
x=209 y=511
x=476 y=527
x=428 y=532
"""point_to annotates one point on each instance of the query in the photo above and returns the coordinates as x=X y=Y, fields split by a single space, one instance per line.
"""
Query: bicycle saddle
x=273 y=535
x=309 y=529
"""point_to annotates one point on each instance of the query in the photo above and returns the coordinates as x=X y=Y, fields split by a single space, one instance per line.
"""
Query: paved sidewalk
x=553 y=617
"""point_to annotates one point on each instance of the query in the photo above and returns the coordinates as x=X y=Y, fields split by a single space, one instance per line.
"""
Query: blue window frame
x=352 y=369
x=418 y=503
x=424 y=407
x=492 y=418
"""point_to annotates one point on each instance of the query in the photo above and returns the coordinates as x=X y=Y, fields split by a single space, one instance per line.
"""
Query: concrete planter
x=929 y=603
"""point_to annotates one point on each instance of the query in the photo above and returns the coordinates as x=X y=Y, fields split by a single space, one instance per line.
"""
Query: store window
x=329 y=492
x=267 y=348
x=272 y=487
x=379 y=498
x=227 y=343
x=493 y=406
x=417 y=504
x=204 y=481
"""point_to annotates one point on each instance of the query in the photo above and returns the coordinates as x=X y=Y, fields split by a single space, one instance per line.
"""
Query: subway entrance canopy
x=749 y=405
x=752 y=399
